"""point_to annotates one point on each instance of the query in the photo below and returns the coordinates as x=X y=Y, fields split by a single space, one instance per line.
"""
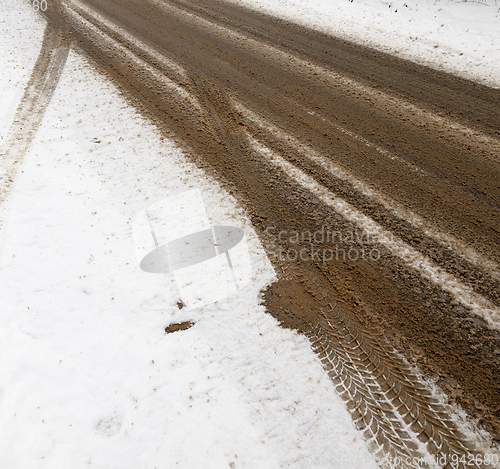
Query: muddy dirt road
x=373 y=182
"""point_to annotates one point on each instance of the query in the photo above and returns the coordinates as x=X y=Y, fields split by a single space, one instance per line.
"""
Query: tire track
x=457 y=258
x=29 y=114
x=412 y=258
x=397 y=415
x=404 y=423
x=404 y=79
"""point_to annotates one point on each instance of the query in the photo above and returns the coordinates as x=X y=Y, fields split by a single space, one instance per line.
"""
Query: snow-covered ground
x=89 y=377
x=461 y=37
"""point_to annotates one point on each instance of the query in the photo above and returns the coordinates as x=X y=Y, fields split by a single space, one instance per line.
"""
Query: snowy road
x=373 y=184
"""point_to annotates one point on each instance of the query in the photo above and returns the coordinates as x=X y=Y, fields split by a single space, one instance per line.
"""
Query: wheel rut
x=34 y=102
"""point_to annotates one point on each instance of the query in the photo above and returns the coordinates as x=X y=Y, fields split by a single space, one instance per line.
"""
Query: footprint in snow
x=109 y=426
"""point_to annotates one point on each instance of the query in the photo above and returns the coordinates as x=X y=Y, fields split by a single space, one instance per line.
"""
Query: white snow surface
x=460 y=37
x=88 y=376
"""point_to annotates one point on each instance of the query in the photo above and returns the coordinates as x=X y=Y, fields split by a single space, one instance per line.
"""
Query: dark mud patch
x=181 y=326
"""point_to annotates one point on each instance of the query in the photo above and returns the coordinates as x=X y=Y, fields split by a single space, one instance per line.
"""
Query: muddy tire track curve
x=425 y=169
x=35 y=100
